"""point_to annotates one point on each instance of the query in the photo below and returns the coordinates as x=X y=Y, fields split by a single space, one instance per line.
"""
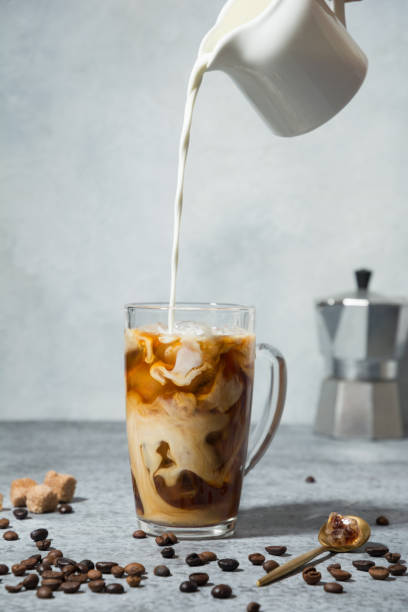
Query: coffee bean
x=253 y=607
x=20 y=513
x=3 y=569
x=97 y=586
x=200 y=578
x=82 y=567
x=162 y=570
x=78 y=578
x=32 y=561
x=166 y=539
x=168 y=552
x=89 y=564
x=207 y=556
x=194 y=560
x=43 y=544
x=68 y=569
x=53 y=555
x=44 y=565
x=30 y=582
x=311 y=575
x=363 y=565
x=333 y=587
x=256 y=558
x=114 y=588
x=105 y=566
x=135 y=569
x=378 y=573
x=63 y=561
x=376 y=551
x=139 y=534
x=10 y=535
x=340 y=574
x=39 y=534
x=333 y=566
x=4 y=523
x=14 y=588
x=172 y=537
x=94 y=574
x=397 y=569
x=188 y=587
x=270 y=565
x=228 y=565
x=18 y=569
x=221 y=591
x=70 y=587
x=133 y=581
x=44 y=592
x=310 y=479
x=52 y=574
x=393 y=557
x=382 y=521
x=51 y=583
x=277 y=551
x=117 y=571
x=65 y=509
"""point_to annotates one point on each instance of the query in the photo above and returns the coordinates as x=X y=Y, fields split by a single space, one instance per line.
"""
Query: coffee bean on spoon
x=378 y=573
x=256 y=558
x=363 y=565
x=228 y=565
x=277 y=551
x=168 y=552
x=200 y=578
x=393 y=557
x=221 y=591
x=10 y=536
x=188 y=587
x=270 y=565
x=20 y=513
x=39 y=534
x=4 y=523
x=397 y=569
x=333 y=587
x=161 y=570
x=376 y=550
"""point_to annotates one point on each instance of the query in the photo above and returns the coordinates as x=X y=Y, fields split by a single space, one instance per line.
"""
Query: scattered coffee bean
x=18 y=569
x=43 y=544
x=88 y=563
x=340 y=574
x=39 y=534
x=54 y=555
x=393 y=557
x=135 y=569
x=51 y=583
x=44 y=592
x=4 y=523
x=31 y=561
x=310 y=479
x=333 y=566
x=94 y=574
x=166 y=539
x=105 y=566
x=270 y=565
x=333 y=587
x=382 y=521
x=397 y=569
x=63 y=561
x=363 y=565
x=14 y=588
x=20 y=513
x=188 y=587
x=44 y=565
x=82 y=567
x=70 y=587
x=207 y=556
x=133 y=581
x=256 y=558
x=221 y=591
x=52 y=574
x=97 y=586
x=114 y=588
x=65 y=509
x=3 y=569
x=194 y=560
x=161 y=570
x=30 y=582
x=378 y=573
x=228 y=565
x=311 y=575
x=253 y=607
x=376 y=551
x=69 y=569
x=78 y=578
x=168 y=552
x=139 y=534
x=200 y=578
x=10 y=535
x=117 y=571
x=277 y=551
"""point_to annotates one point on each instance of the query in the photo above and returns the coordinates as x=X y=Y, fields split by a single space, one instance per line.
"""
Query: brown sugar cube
x=41 y=498
x=62 y=484
x=19 y=489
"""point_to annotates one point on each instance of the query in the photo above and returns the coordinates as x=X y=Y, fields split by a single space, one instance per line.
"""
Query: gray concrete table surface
x=278 y=507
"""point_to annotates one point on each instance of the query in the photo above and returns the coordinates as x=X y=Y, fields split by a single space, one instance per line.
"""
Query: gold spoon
x=290 y=566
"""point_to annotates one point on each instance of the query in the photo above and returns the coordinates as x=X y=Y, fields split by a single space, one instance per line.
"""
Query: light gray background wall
x=92 y=95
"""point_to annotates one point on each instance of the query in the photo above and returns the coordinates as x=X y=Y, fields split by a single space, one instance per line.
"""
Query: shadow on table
x=308 y=517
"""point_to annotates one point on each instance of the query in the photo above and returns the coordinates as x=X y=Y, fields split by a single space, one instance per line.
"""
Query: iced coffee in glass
x=188 y=406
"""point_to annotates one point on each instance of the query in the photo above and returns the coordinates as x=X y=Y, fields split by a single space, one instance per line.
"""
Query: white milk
x=239 y=12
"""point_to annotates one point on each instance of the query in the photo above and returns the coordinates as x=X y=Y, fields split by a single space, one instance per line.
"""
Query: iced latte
x=188 y=413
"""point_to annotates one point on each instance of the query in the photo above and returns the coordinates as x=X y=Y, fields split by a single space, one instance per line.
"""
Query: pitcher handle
x=271 y=416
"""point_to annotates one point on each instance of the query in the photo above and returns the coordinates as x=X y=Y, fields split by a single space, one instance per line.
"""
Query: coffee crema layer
x=188 y=412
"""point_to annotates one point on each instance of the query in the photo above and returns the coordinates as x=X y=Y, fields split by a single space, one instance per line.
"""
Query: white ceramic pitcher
x=293 y=59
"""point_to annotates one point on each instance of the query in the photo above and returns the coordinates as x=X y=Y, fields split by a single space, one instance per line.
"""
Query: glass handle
x=275 y=402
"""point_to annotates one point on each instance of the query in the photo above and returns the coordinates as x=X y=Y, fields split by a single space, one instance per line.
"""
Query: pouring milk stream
x=293 y=59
